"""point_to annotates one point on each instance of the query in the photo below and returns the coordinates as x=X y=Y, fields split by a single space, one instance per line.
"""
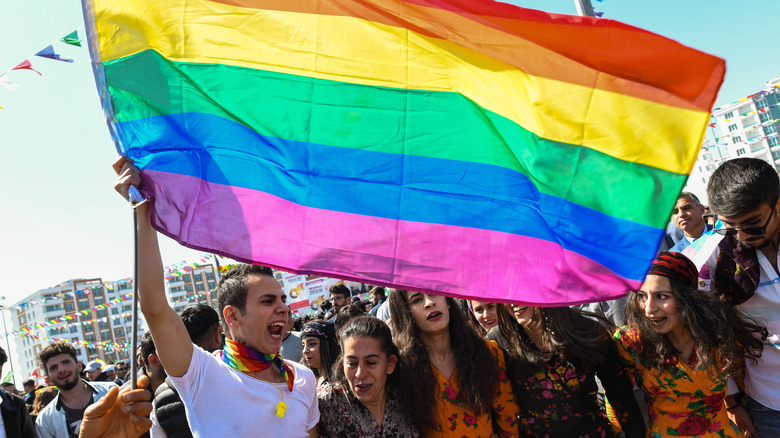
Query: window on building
x=770 y=129
x=87 y=327
x=212 y=285
x=773 y=141
x=89 y=338
x=119 y=332
x=117 y=321
x=763 y=116
x=127 y=308
x=732 y=128
x=187 y=278
x=83 y=304
x=114 y=311
x=729 y=115
x=740 y=151
x=22 y=319
x=101 y=313
x=761 y=103
x=99 y=300
x=103 y=325
x=199 y=286
x=209 y=275
x=69 y=307
x=736 y=138
x=776 y=155
x=188 y=288
x=73 y=328
x=53 y=308
x=105 y=334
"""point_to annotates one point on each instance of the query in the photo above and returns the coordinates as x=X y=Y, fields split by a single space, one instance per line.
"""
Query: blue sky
x=61 y=218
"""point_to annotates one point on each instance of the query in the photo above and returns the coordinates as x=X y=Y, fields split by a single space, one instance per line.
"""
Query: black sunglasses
x=753 y=231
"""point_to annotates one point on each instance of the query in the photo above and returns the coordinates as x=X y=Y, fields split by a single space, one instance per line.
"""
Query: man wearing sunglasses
x=744 y=194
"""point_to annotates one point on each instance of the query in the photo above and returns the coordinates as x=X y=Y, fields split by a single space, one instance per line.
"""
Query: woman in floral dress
x=362 y=398
x=456 y=384
x=554 y=355
x=684 y=348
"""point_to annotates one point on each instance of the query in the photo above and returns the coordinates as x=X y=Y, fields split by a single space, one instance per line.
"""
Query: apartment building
x=93 y=315
x=749 y=127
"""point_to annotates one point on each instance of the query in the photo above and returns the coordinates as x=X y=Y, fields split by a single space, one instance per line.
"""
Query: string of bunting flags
x=49 y=327
x=83 y=291
x=48 y=52
x=64 y=321
x=179 y=269
x=107 y=346
x=171 y=272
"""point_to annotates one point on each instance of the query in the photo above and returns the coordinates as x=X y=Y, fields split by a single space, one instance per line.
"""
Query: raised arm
x=171 y=340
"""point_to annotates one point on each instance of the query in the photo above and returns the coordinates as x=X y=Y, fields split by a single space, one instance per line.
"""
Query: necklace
x=86 y=397
x=281 y=407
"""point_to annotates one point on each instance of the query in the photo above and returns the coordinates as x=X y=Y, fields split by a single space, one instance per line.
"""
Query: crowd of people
x=695 y=351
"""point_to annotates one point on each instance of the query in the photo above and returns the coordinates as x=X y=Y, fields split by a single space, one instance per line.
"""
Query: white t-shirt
x=221 y=401
x=762 y=380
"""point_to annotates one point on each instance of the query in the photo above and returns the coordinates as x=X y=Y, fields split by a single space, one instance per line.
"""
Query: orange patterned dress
x=454 y=421
x=685 y=401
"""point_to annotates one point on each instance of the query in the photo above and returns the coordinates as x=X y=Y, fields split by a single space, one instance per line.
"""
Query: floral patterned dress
x=685 y=401
x=454 y=421
x=343 y=416
x=559 y=401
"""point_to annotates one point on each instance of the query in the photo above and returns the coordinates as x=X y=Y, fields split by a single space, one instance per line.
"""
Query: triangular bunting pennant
x=5 y=81
x=26 y=65
x=49 y=53
x=72 y=39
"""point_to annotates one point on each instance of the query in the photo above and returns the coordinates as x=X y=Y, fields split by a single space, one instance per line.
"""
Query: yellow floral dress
x=685 y=401
x=454 y=421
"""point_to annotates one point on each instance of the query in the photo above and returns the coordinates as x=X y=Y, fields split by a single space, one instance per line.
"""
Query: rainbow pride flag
x=469 y=147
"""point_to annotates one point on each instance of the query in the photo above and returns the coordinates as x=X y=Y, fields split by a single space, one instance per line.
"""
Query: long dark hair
x=477 y=379
x=565 y=332
x=329 y=348
x=367 y=326
x=722 y=334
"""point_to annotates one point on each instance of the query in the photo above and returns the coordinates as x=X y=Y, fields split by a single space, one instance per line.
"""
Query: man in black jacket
x=16 y=418
x=202 y=323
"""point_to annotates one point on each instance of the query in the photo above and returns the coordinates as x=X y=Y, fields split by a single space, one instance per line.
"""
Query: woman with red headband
x=685 y=349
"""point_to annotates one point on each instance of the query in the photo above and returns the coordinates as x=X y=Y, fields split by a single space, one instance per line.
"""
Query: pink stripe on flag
x=301 y=239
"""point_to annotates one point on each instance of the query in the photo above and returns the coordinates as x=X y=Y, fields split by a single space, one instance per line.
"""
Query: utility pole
x=7 y=344
x=584 y=8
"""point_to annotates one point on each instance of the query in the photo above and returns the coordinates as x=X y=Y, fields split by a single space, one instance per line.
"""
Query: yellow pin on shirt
x=281 y=408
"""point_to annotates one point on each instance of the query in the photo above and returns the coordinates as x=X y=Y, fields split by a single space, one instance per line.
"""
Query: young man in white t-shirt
x=743 y=270
x=219 y=399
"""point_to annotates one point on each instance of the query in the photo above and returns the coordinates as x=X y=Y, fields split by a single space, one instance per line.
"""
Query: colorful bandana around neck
x=243 y=358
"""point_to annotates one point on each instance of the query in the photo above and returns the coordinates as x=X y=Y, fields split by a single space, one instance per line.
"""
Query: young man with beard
x=246 y=389
x=743 y=270
x=62 y=417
